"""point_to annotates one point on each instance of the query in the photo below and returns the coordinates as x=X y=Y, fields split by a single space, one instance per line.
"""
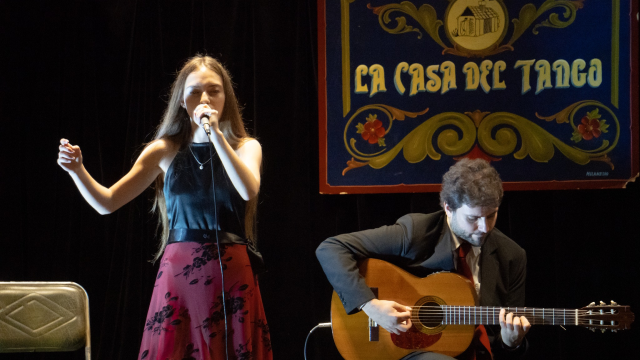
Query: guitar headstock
x=612 y=317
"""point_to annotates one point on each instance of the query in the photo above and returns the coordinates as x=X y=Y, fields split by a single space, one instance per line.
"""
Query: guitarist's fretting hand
x=513 y=328
x=392 y=316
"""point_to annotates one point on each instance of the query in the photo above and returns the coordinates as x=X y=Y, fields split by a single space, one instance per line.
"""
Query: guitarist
x=426 y=243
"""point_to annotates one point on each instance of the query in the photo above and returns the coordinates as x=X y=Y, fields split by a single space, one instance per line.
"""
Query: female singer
x=205 y=199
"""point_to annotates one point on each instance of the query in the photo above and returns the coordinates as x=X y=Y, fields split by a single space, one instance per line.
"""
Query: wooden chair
x=44 y=317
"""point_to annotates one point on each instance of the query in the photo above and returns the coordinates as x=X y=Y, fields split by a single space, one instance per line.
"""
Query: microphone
x=204 y=118
x=205 y=124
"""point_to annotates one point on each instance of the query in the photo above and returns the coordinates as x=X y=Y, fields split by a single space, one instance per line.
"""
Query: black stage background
x=97 y=72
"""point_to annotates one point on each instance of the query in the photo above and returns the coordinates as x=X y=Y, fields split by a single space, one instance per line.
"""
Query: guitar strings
x=463 y=315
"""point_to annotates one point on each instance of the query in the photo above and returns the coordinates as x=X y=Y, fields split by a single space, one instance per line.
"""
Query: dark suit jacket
x=421 y=245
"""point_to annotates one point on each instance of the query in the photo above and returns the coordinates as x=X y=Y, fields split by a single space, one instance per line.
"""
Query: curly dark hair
x=472 y=183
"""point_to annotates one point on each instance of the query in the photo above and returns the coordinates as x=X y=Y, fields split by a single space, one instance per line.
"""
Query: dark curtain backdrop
x=98 y=73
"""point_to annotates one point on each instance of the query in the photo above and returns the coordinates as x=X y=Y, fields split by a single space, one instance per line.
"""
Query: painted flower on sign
x=372 y=130
x=590 y=127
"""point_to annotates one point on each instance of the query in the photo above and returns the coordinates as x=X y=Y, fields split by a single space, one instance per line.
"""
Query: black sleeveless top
x=189 y=193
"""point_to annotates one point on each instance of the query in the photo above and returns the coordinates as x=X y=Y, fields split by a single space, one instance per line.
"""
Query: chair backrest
x=44 y=317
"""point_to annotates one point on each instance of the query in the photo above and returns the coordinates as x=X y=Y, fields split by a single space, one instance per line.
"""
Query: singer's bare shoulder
x=159 y=153
x=163 y=145
x=249 y=146
x=245 y=140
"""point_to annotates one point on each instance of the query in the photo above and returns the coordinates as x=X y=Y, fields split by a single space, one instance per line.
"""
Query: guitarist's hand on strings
x=513 y=328
x=393 y=317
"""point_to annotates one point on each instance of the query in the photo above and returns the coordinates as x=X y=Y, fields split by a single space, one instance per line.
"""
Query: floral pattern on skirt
x=186 y=316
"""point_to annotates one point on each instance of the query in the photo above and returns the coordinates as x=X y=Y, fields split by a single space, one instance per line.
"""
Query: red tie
x=480 y=337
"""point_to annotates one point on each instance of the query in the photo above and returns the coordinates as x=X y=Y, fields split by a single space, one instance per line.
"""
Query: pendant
x=201 y=167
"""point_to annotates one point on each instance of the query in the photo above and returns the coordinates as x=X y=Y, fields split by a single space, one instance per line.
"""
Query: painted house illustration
x=478 y=20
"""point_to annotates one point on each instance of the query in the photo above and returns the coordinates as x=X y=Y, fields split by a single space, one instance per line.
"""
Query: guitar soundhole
x=427 y=315
x=431 y=315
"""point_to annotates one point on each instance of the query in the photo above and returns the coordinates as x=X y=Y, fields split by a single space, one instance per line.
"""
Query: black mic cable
x=321 y=325
x=215 y=214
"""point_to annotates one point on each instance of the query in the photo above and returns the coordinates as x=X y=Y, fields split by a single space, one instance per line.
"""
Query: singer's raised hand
x=204 y=110
x=69 y=156
x=153 y=161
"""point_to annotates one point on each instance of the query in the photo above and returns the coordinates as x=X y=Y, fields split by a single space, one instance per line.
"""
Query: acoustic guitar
x=444 y=315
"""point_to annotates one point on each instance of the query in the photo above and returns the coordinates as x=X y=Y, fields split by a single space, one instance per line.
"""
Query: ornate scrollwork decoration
x=529 y=14
x=591 y=126
x=427 y=18
x=496 y=135
x=456 y=138
x=536 y=142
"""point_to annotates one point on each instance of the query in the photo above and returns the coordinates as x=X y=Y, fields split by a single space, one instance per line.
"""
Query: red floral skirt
x=185 y=319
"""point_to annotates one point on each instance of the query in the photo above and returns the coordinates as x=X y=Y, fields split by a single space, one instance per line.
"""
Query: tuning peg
x=592 y=304
x=603 y=330
x=602 y=303
x=614 y=303
x=614 y=331
x=592 y=329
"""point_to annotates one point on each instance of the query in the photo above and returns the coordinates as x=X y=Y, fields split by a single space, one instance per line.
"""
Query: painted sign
x=546 y=90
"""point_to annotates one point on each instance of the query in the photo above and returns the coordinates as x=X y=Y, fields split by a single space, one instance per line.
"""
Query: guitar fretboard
x=490 y=315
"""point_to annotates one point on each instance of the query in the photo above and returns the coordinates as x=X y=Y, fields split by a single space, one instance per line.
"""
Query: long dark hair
x=176 y=127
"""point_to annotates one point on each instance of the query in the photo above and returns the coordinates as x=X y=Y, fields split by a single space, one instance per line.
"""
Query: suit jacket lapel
x=442 y=257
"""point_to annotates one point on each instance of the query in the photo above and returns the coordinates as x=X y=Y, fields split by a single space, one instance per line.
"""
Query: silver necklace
x=198 y=161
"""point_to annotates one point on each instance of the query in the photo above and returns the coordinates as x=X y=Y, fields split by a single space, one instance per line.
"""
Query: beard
x=475 y=239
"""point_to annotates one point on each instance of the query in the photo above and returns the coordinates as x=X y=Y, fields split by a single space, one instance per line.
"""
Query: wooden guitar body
x=351 y=333
x=444 y=315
